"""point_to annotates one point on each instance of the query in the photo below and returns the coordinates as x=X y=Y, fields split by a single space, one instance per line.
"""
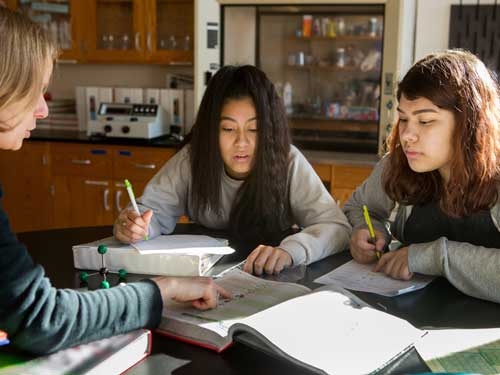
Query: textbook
x=112 y=355
x=328 y=330
x=156 y=261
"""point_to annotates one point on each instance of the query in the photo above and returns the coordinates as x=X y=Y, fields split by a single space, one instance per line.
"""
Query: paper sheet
x=183 y=244
x=355 y=276
x=461 y=350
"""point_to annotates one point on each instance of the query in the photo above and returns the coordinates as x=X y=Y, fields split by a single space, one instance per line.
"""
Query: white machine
x=130 y=121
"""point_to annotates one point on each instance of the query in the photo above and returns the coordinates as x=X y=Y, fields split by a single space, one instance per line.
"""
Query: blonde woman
x=37 y=317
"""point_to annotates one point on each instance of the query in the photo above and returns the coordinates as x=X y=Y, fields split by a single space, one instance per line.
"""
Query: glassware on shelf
x=373 y=27
x=172 y=42
x=340 y=57
x=187 y=43
x=340 y=26
x=307 y=20
x=125 y=42
x=107 y=41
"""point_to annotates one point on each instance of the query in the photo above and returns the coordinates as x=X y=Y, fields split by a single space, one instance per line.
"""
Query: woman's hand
x=362 y=249
x=267 y=259
x=131 y=227
x=395 y=264
x=202 y=292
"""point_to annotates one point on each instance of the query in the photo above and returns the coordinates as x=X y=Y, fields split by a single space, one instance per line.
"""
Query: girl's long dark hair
x=459 y=82
x=261 y=204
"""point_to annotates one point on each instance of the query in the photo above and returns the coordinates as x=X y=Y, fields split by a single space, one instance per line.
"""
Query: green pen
x=131 y=195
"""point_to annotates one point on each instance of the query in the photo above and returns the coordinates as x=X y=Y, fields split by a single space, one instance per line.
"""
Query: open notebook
x=328 y=329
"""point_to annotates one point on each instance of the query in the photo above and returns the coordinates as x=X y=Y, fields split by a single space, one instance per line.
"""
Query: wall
x=433 y=23
x=67 y=76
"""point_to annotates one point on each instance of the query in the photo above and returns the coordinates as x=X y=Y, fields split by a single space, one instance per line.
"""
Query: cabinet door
x=169 y=37
x=82 y=202
x=115 y=31
x=121 y=199
x=139 y=163
x=25 y=178
x=61 y=19
x=82 y=184
x=324 y=171
x=72 y=159
x=345 y=179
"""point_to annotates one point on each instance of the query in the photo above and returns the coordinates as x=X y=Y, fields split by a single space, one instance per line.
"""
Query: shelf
x=331 y=68
x=330 y=124
x=332 y=140
x=338 y=38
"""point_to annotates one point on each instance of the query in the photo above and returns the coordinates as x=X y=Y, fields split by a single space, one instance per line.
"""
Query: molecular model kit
x=103 y=271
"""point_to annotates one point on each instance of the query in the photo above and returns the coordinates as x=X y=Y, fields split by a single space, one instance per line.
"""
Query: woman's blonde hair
x=26 y=51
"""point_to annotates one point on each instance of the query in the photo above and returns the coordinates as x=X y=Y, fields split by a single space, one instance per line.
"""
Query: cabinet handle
x=145 y=166
x=96 y=183
x=180 y=63
x=81 y=162
x=45 y=160
x=67 y=61
x=137 y=41
x=118 y=196
x=106 y=197
x=148 y=41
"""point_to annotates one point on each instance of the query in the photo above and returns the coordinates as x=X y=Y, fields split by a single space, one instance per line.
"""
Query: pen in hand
x=370 y=228
x=131 y=195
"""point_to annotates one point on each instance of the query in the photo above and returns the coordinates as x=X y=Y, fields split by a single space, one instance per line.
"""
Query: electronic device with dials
x=130 y=121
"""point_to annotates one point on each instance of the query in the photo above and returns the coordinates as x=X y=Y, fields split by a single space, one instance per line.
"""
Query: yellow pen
x=370 y=228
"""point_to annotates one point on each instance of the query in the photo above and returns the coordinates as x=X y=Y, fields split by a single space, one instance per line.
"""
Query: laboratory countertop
x=314 y=156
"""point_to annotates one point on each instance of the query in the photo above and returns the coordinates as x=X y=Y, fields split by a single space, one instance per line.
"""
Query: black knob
x=125 y=129
x=107 y=128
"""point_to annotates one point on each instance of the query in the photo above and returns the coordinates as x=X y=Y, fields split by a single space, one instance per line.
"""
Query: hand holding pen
x=366 y=243
x=132 y=226
x=368 y=221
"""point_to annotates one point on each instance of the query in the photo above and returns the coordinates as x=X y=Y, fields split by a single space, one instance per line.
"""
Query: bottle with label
x=287 y=98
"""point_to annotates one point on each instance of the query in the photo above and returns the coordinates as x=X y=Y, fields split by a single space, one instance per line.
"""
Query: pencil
x=370 y=228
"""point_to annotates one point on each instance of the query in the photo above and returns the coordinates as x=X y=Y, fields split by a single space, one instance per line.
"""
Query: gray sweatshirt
x=470 y=268
x=325 y=228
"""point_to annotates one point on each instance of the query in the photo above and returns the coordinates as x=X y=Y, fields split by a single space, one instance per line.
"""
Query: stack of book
x=62 y=115
x=172 y=255
x=113 y=355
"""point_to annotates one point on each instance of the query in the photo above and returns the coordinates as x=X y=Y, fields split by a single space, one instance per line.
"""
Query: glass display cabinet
x=118 y=31
x=59 y=18
x=326 y=63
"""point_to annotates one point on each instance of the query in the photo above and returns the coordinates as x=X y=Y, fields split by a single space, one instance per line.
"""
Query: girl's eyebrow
x=423 y=110
x=233 y=120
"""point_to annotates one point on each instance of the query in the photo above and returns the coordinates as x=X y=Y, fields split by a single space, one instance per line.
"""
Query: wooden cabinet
x=169 y=38
x=88 y=180
x=61 y=19
x=25 y=178
x=342 y=180
x=118 y=31
x=57 y=185
x=345 y=179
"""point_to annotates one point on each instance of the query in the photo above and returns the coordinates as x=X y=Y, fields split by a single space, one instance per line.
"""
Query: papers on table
x=183 y=244
x=355 y=276
x=461 y=350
